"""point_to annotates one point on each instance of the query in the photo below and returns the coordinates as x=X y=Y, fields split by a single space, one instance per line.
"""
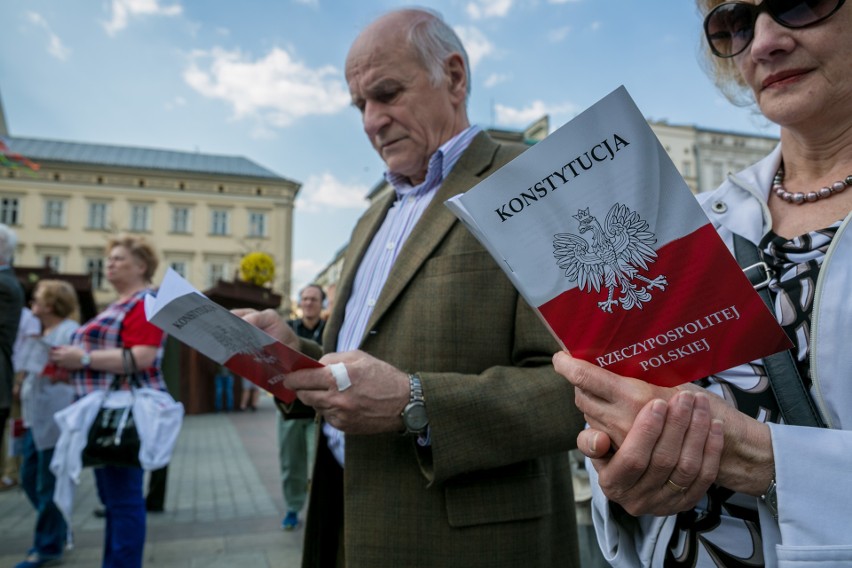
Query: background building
x=704 y=156
x=202 y=212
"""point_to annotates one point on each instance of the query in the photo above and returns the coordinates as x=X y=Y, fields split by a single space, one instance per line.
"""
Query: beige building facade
x=704 y=156
x=202 y=212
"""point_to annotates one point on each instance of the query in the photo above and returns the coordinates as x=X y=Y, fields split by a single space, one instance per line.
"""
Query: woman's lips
x=783 y=77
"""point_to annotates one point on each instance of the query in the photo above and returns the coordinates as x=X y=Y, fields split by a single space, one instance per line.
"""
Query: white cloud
x=479 y=9
x=475 y=43
x=175 y=103
x=559 y=34
x=563 y=1
x=311 y=3
x=275 y=88
x=508 y=116
x=324 y=191
x=124 y=10
x=595 y=26
x=495 y=79
x=55 y=47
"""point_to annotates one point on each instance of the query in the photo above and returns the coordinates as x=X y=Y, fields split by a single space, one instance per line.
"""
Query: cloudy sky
x=264 y=79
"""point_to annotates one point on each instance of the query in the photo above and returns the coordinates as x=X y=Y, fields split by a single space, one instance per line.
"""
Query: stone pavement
x=223 y=503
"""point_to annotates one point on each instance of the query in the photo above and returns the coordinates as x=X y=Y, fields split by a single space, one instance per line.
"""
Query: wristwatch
x=414 y=414
x=85 y=359
x=770 y=499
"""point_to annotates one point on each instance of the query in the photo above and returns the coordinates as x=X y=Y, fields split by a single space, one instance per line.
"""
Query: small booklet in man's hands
x=192 y=318
x=598 y=231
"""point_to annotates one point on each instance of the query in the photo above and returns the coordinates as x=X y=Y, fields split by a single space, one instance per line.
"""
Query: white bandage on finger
x=340 y=375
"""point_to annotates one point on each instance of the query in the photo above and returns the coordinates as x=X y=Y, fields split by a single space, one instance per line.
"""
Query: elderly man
x=11 y=303
x=457 y=429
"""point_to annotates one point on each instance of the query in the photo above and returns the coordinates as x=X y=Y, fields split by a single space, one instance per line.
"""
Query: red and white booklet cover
x=599 y=232
x=192 y=318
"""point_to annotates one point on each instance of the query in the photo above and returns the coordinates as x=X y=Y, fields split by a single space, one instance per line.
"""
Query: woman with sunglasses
x=710 y=474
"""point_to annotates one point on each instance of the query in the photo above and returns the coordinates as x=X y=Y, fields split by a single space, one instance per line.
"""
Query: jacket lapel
x=435 y=223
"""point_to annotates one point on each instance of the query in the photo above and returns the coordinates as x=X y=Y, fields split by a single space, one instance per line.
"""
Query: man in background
x=296 y=425
x=11 y=304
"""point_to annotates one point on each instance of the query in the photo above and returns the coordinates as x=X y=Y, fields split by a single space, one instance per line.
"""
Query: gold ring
x=675 y=487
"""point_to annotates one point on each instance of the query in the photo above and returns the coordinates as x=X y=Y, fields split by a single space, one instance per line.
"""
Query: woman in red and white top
x=95 y=357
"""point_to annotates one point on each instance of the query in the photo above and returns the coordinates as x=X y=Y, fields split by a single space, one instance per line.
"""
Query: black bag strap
x=130 y=371
x=797 y=406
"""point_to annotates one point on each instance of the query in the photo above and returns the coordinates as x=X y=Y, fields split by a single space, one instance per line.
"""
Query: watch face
x=415 y=416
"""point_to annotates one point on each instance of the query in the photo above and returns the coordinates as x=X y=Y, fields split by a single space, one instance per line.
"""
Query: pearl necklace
x=799 y=198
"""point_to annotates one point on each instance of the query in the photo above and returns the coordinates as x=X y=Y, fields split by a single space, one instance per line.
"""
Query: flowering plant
x=257 y=268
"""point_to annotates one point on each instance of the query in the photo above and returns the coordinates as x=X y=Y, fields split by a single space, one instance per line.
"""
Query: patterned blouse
x=724 y=529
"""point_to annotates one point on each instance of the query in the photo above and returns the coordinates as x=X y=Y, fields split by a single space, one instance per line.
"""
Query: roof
x=143 y=158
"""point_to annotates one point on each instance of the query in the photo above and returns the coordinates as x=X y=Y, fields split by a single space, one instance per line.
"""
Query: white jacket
x=158 y=420
x=813 y=466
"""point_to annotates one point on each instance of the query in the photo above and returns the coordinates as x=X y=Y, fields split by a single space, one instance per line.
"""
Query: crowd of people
x=62 y=363
x=438 y=433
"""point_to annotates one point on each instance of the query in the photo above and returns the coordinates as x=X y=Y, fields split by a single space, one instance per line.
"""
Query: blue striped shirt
x=376 y=265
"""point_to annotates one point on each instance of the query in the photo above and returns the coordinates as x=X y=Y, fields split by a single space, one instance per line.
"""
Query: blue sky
x=264 y=79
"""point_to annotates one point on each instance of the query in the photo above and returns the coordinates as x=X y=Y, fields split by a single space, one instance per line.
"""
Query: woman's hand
x=668 y=444
x=67 y=357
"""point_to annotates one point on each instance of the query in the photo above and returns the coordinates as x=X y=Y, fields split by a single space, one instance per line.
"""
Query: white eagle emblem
x=617 y=251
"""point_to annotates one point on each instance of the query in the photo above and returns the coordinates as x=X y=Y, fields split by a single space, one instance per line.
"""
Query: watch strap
x=416 y=405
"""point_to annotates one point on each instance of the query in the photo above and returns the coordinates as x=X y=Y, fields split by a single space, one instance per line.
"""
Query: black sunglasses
x=729 y=27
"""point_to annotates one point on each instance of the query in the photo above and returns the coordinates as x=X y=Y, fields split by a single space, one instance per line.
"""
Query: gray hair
x=433 y=42
x=8 y=242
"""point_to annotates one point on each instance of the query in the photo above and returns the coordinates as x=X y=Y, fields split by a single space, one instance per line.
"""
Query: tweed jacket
x=494 y=489
x=11 y=302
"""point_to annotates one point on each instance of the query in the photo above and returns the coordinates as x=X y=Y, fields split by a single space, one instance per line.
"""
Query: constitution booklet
x=192 y=318
x=601 y=235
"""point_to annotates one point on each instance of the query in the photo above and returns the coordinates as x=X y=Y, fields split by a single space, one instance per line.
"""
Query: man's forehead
x=375 y=61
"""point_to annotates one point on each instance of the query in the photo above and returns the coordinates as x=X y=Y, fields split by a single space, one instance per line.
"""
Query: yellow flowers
x=257 y=268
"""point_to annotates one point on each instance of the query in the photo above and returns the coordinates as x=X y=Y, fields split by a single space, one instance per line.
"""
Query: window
x=139 y=218
x=52 y=261
x=9 y=210
x=257 y=224
x=54 y=213
x=179 y=266
x=97 y=215
x=95 y=267
x=687 y=169
x=219 y=222
x=216 y=271
x=180 y=219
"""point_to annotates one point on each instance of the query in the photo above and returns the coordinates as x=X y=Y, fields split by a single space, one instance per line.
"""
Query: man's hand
x=269 y=321
x=374 y=402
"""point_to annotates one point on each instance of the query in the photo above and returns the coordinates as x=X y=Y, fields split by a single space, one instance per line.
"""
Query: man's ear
x=457 y=75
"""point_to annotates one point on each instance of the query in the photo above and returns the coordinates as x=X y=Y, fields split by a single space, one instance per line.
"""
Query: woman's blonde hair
x=60 y=296
x=722 y=70
x=140 y=249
